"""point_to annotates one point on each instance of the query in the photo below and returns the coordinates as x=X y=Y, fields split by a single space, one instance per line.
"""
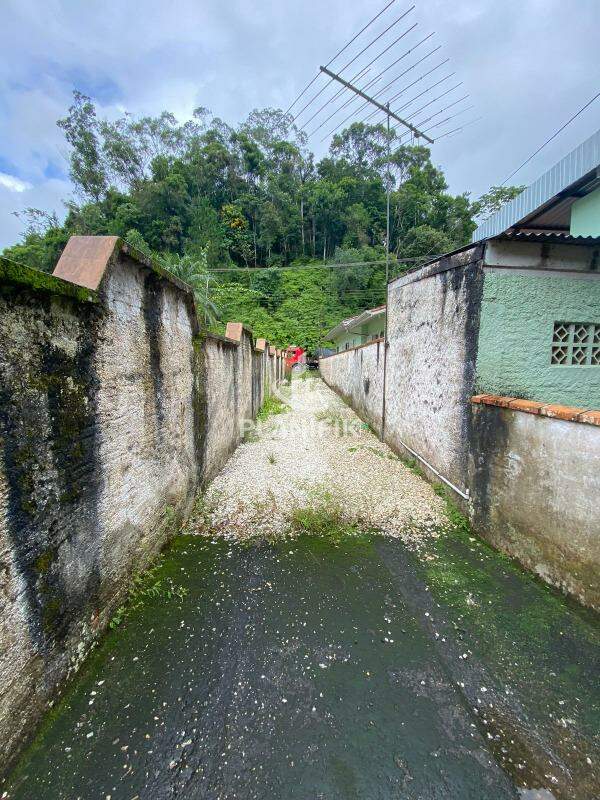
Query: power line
x=333 y=265
x=252 y=270
x=554 y=135
x=339 y=52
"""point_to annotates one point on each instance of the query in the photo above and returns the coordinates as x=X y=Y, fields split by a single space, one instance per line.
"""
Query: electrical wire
x=253 y=270
x=554 y=135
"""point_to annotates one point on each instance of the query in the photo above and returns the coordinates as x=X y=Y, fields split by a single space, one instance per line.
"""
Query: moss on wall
x=517 y=319
x=12 y=273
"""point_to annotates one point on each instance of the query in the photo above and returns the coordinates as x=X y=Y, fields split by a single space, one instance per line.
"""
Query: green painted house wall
x=585 y=215
x=361 y=334
x=517 y=319
x=375 y=328
x=352 y=339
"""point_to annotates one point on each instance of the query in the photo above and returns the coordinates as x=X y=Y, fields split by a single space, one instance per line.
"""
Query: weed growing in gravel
x=413 y=465
x=251 y=434
x=271 y=406
x=376 y=451
x=200 y=520
x=333 y=417
x=271 y=459
x=324 y=517
x=326 y=521
x=322 y=522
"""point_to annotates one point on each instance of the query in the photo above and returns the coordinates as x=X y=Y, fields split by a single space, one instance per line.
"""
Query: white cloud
x=47 y=195
x=233 y=57
x=13 y=184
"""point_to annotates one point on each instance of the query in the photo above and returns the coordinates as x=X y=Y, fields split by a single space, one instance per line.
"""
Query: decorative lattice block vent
x=576 y=344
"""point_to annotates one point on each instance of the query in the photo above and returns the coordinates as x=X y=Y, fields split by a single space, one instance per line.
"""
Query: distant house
x=368 y=326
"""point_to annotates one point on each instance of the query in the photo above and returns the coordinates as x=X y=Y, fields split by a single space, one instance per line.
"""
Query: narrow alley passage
x=299 y=652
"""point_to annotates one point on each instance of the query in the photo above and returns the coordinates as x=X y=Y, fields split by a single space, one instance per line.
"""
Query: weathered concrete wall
x=527 y=476
x=357 y=376
x=432 y=332
x=230 y=381
x=99 y=447
x=535 y=484
x=49 y=484
x=113 y=410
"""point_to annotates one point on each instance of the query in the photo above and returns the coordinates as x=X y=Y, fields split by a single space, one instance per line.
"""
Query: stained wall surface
x=114 y=409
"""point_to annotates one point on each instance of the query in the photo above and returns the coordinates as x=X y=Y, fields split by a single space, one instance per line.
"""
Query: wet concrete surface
x=311 y=669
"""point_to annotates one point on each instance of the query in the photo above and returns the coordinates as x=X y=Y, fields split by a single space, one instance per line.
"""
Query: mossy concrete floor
x=335 y=668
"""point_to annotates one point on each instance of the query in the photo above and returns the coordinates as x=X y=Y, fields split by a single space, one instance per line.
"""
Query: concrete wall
x=432 y=333
x=357 y=375
x=114 y=408
x=518 y=312
x=49 y=488
x=535 y=484
x=526 y=471
x=237 y=378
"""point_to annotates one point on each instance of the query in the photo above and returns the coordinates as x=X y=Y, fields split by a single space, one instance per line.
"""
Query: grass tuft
x=271 y=406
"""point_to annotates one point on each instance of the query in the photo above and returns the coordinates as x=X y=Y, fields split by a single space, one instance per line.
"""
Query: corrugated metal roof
x=572 y=168
x=545 y=237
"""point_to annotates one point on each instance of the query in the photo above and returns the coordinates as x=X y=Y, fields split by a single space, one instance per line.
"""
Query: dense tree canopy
x=203 y=196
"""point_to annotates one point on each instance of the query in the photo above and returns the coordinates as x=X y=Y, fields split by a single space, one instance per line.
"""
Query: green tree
x=493 y=200
x=81 y=131
x=195 y=273
x=203 y=195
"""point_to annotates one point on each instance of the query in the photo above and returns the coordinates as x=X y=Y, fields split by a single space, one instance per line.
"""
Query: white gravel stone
x=319 y=452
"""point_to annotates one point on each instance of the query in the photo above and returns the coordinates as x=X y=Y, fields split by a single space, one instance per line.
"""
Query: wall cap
x=350 y=349
x=550 y=410
x=234 y=330
x=464 y=256
x=217 y=337
x=11 y=272
x=85 y=259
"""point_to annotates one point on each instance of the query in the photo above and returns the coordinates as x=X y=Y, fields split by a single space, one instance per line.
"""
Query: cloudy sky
x=527 y=65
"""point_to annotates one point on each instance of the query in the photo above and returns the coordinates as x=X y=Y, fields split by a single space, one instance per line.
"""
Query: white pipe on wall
x=464 y=495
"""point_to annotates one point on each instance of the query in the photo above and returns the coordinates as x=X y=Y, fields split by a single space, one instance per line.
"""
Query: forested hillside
x=203 y=196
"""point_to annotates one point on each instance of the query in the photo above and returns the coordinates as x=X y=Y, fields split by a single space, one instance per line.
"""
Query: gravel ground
x=318 y=453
